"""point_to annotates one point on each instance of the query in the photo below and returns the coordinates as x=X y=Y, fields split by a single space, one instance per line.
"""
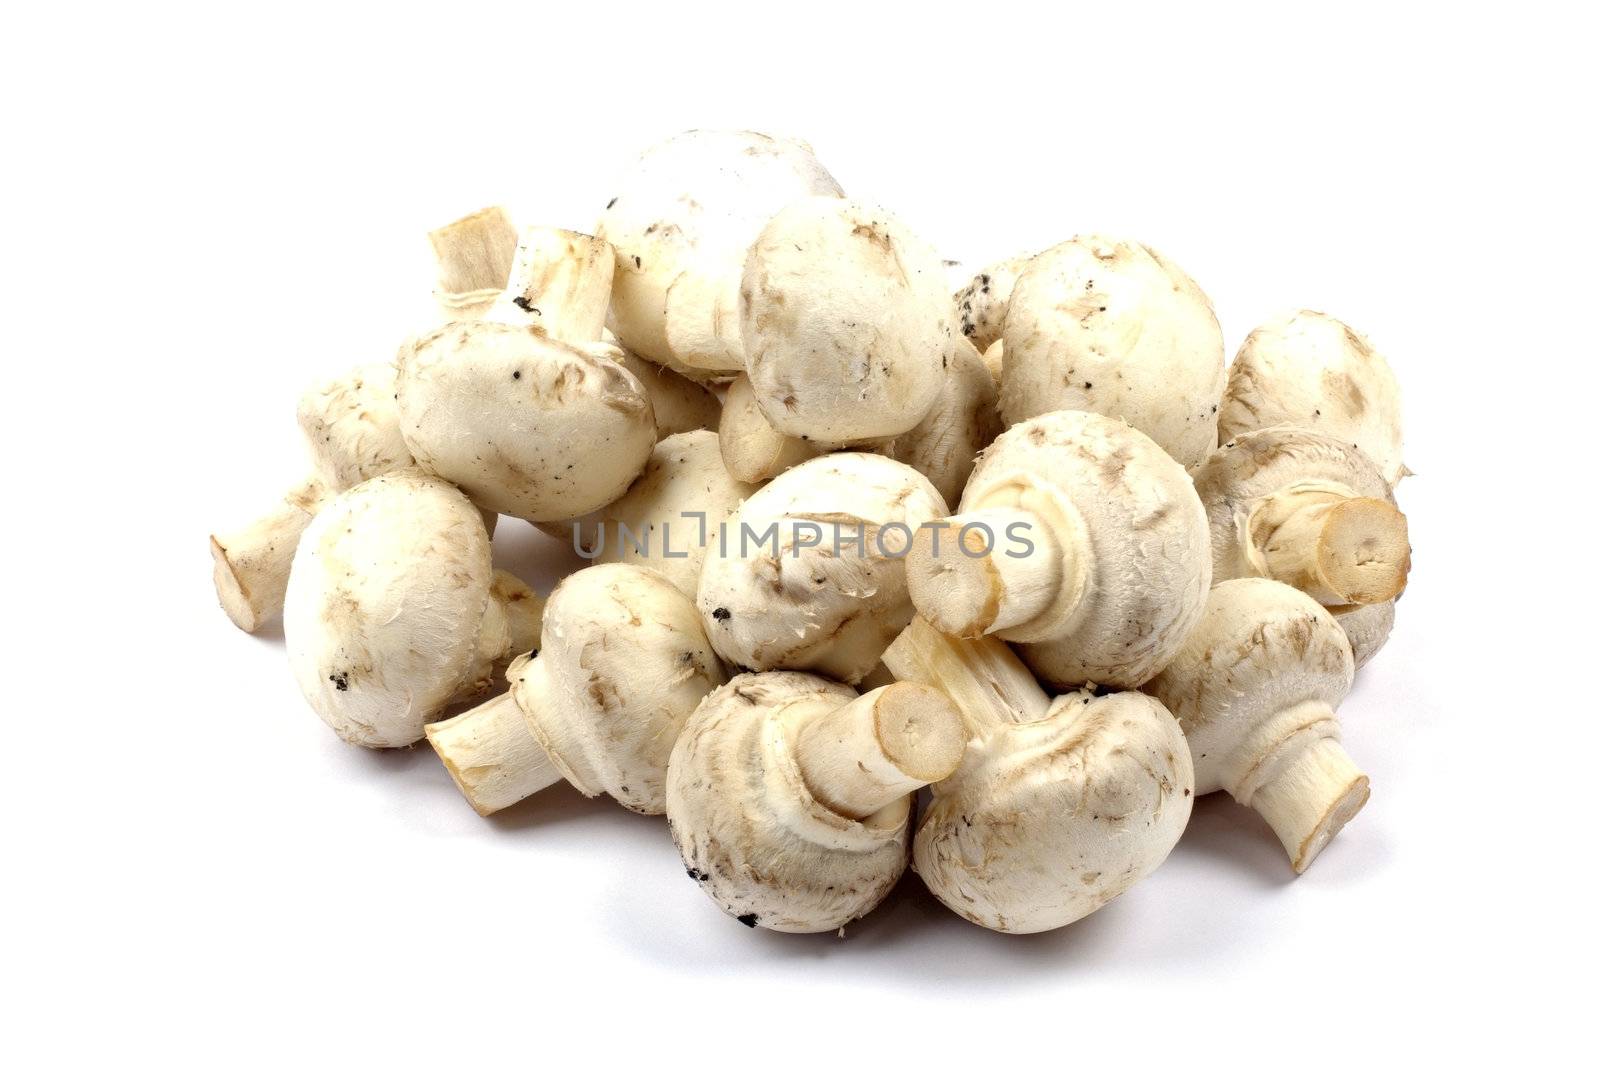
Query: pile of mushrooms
x=985 y=584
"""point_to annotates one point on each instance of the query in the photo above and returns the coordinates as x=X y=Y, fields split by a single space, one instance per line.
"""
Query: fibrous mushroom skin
x=811 y=574
x=1313 y=371
x=473 y=259
x=671 y=518
x=1112 y=327
x=352 y=426
x=1119 y=520
x=1255 y=687
x=1251 y=484
x=526 y=425
x=964 y=419
x=393 y=610
x=749 y=829
x=1058 y=807
x=846 y=323
x=981 y=304
x=682 y=221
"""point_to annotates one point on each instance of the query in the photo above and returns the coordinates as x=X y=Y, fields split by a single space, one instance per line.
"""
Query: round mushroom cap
x=981 y=304
x=526 y=425
x=681 y=222
x=1258 y=464
x=625 y=662
x=749 y=829
x=964 y=419
x=1366 y=627
x=1149 y=566
x=1311 y=370
x=1051 y=820
x=1112 y=327
x=780 y=596
x=385 y=605
x=1260 y=648
x=846 y=321
x=352 y=426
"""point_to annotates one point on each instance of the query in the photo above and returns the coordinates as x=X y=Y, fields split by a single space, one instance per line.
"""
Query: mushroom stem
x=1305 y=784
x=1338 y=549
x=859 y=758
x=560 y=281
x=473 y=257
x=492 y=756
x=251 y=566
x=988 y=684
x=511 y=624
x=968 y=580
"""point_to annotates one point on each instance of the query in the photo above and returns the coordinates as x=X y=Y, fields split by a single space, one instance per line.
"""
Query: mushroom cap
x=846 y=322
x=1243 y=471
x=352 y=426
x=682 y=221
x=625 y=662
x=1146 y=530
x=1311 y=370
x=1048 y=821
x=751 y=447
x=964 y=419
x=684 y=485
x=1366 y=627
x=679 y=403
x=808 y=607
x=385 y=605
x=749 y=829
x=981 y=304
x=526 y=425
x=1112 y=327
x=1260 y=648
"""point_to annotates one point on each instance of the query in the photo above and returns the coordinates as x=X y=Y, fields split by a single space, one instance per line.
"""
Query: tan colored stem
x=560 y=281
x=1310 y=797
x=859 y=758
x=492 y=756
x=1339 y=550
x=473 y=258
x=965 y=579
x=511 y=624
x=986 y=681
x=250 y=567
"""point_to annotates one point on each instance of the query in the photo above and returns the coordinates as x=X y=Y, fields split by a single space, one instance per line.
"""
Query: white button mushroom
x=473 y=259
x=623 y=662
x=1313 y=371
x=789 y=797
x=811 y=575
x=981 y=304
x=1255 y=687
x=1058 y=807
x=1313 y=512
x=682 y=221
x=393 y=610
x=846 y=322
x=1078 y=537
x=672 y=517
x=1112 y=327
x=964 y=419
x=752 y=448
x=352 y=431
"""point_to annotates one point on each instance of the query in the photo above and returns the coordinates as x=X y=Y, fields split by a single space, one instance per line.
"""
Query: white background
x=203 y=209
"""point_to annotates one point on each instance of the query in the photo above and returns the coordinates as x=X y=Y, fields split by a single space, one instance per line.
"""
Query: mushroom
x=534 y=424
x=393 y=611
x=1078 y=537
x=473 y=258
x=810 y=573
x=680 y=404
x=963 y=420
x=752 y=448
x=1114 y=328
x=622 y=663
x=681 y=222
x=981 y=304
x=846 y=323
x=1366 y=627
x=1313 y=371
x=1255 y=687
x=352 y=431
x=672 y=517
x=1059 y=807
x=994 y=359
x=1313 y=512
x=789 y=796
